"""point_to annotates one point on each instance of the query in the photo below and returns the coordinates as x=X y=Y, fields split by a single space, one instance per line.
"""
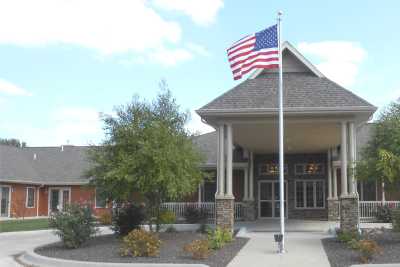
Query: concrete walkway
x=303 y=249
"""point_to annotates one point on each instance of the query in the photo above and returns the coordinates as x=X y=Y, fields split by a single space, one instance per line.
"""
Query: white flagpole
x=281 y=148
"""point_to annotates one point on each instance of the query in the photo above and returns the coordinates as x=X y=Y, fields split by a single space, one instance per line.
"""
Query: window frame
x=304 y=185
x=27 y=197
x=95 y=201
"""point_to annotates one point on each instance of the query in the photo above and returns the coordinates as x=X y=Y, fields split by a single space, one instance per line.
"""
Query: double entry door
x=59 y=198
x=269 y=200
x=4 y=201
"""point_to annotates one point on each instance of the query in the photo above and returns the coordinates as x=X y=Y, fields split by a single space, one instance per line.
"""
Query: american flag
x=259 y=50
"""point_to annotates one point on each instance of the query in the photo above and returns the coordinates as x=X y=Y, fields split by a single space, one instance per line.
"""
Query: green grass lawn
x=23 y=225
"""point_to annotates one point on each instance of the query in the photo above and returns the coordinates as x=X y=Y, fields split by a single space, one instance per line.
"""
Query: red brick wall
x=79 y=194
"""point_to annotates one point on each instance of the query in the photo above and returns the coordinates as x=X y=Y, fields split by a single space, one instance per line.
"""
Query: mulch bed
x=340 y=255
x=106 y=249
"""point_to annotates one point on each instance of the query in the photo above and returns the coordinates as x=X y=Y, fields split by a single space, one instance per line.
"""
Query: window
x=309 y=168
x=270 y=169
x=100 y=201
x=30 y=197
x=310 y=194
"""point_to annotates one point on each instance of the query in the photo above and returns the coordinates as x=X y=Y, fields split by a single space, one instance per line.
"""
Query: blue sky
x=63 y=62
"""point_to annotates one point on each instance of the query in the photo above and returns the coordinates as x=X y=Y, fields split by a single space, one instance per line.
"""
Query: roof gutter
x=41 y=182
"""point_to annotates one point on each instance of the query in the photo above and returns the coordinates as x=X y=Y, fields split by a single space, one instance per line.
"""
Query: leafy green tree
x=147 y=150
x=381 y=157
x=12 y=142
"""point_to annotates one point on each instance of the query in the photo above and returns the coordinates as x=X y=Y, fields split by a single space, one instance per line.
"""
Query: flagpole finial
x=280 y=13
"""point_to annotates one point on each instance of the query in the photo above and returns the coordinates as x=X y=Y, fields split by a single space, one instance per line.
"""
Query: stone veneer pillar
x=333 y=209
x=224 y=208
x=349 y=213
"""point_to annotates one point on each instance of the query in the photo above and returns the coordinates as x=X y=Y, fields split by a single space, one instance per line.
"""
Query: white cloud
x=104 y=25
x=196 y=126
x=9 y=88
x=201 y=12
x=338 y=60
x=198 y=49
x=72 y=125
x=170 y=57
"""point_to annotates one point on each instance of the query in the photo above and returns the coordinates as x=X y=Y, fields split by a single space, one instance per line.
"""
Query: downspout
x=37 y=200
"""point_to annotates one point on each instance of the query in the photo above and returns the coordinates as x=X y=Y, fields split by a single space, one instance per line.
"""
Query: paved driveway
x=16 y=242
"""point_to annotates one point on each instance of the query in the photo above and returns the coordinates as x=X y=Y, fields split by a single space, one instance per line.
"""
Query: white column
x=329 y=170
x=334 y=178
x=343 y=160
x=352 y=187
x=199 y=194
x=251 y=177
x=229 y=159
x=383 y=192
x=220 y=162
x=246 y=184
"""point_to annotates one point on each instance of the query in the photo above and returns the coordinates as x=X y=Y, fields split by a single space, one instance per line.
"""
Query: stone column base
x=249 y=210
x=349 y=213
x=333 y=209
x=224 y=212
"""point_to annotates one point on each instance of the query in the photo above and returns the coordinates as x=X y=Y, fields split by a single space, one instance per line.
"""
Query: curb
x=30 y=258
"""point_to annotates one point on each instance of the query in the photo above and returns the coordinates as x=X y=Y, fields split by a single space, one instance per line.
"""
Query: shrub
x=347 y=236
x=128 y=218
x=219 y=237
x=396 y=220
x=384 y=214
x=167 y=217
x=195 y=215
x=105 y=218
x=75 y=225
x=171 y=229
x=204 y=228
x=139 y=243
x=198 y=248
x=367 y=249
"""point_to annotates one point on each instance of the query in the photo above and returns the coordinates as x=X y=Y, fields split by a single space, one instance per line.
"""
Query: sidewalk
x=303 y=249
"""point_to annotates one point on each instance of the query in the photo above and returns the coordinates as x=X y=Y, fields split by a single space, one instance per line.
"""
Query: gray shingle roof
x=302 y=91
x=51 y=166
x=207 y=143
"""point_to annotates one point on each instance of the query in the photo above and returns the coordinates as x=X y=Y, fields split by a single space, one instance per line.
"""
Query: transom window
x=30 y=197
x=270 y=169
x=309 y=168
x=310 y=194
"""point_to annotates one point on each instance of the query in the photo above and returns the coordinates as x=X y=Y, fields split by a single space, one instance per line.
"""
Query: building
x=325 y=130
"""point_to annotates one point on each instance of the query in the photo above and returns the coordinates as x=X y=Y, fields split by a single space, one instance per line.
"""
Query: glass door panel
x=4 y=201
x=65 y=199
x=266 y=209
x=54 y=200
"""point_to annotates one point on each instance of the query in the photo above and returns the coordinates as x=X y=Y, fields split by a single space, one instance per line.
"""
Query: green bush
x=347 y=236
x=75 y=225
x=198 y=248
x=167 y=217
x=195 y=215
x=396 y=220
x=384 y=214
x=128 y=218
x=219 y=237
x=139 y=243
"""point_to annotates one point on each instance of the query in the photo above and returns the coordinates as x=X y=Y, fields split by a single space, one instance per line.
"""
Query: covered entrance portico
x=321 y=120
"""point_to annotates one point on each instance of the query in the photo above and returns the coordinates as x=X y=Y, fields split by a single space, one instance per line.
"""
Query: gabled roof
x=44 y=165
x=305 y=90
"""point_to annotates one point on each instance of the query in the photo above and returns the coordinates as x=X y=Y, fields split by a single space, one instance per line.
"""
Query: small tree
x=381 y=157
x=147 y=150
x=12 y=142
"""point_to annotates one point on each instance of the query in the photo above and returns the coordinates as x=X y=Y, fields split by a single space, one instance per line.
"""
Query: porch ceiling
x=299 y=137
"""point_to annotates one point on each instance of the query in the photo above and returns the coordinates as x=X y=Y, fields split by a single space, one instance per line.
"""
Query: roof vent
x=34 y=156
x=62 y=148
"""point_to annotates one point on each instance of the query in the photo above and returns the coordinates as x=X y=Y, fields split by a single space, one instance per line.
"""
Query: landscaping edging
x=31 y=258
